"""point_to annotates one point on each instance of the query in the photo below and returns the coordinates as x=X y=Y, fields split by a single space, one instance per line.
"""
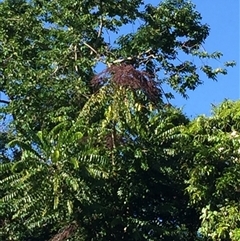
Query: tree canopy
x=93 y=149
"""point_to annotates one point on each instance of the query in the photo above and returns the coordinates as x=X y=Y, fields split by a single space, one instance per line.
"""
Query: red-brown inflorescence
x=127 y=76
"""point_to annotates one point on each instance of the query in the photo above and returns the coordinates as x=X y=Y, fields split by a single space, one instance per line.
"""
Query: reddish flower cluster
x=127 y=76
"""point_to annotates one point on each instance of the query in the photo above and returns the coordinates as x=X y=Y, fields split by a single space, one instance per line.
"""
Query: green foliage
x=43 y=186
x=104 y=156
x=49 y=51
x=214 y=171
x=54 y=183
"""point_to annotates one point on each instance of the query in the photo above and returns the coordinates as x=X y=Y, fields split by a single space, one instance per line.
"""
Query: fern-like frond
x=24 y=146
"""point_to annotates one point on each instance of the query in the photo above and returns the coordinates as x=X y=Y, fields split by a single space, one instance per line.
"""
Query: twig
x=89 y=46
x=100 y=28
x=75 y=57
x=55 y=71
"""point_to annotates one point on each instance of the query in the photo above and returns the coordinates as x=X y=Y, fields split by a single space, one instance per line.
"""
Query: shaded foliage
x=105 y=156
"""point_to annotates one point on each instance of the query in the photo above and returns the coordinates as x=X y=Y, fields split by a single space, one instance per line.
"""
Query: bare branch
x=100 y=27
x=89 y=46
x=5 y=101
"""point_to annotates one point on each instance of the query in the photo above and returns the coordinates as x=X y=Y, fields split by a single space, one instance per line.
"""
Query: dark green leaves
x=105 y=156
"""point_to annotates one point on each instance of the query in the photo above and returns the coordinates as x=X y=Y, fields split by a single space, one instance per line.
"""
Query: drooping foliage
x=98 y=151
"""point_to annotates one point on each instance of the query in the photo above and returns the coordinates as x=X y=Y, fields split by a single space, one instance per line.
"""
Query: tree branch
x=5 y=101
x=89 y=46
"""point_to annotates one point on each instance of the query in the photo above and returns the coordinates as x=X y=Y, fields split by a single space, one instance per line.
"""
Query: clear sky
x=223 y=17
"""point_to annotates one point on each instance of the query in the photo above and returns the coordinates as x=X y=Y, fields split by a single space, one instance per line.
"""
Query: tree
x=214 y=171
x=130 y=189
x=50 y=50
x=98 y=149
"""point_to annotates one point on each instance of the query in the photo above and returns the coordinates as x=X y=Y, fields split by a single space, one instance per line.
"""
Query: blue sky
x=223 y=18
